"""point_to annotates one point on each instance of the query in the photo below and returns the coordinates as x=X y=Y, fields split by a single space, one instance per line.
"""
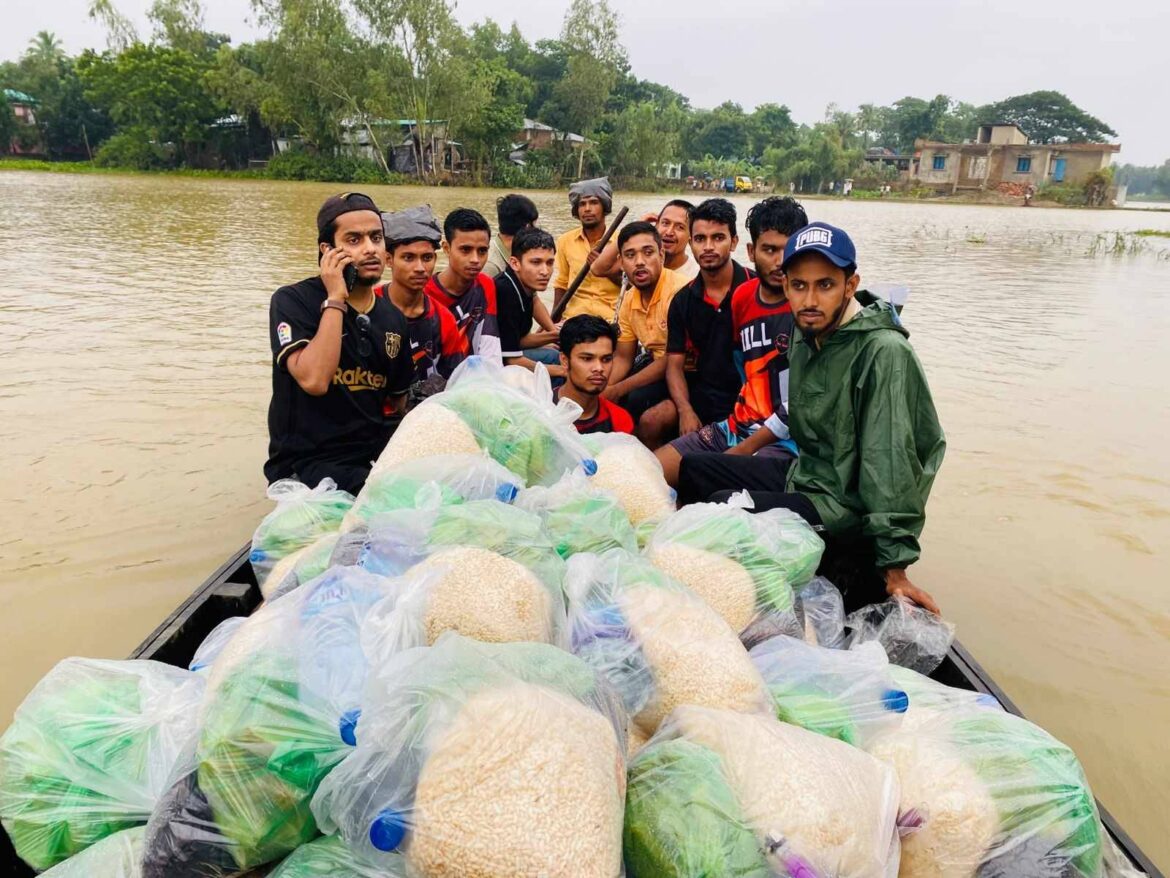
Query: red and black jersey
x=475 y=314
x=610 y=418
x=436 y=345
x=763 y=332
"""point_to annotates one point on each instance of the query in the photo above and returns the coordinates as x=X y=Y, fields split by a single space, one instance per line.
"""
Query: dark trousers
x=701 y=475
x=348 y=476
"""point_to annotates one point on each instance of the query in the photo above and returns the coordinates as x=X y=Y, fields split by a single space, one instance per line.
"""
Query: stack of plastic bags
x=279 y=712
x=744 y=565
x=90 y=752
x=579 y=516
x=986 y=793
x=506 y=411
x=481 y=759
x=722 y=793
x=303 y=517
x=656 y=642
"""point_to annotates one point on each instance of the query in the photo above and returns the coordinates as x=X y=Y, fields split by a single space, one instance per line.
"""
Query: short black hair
x=639 y=228
x=585 y=328
x=464 y=219
x=514 y=212
x=776 y=214
x=679 y=202
x=532 y=238
x=716 y=210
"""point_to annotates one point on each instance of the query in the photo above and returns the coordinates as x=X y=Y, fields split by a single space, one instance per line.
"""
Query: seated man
x=761 y=323
x=861 y=413
x=642 y=319
x=513 y=213
x=462 y=287
x=436 y=347
x=700 y=372
x=530 y=268
x=340 y=353
x=587 y=346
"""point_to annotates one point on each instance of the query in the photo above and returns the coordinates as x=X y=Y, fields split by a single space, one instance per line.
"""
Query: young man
x=340 y=354
x=587 y=347
x=590 y=201
x=530 y=268
x=462 y=287
x=436 y=347
x=642 y=319
x=673 y=223
x=861 y=413
x=700 y=373
x=761 y=323
x=513 y=213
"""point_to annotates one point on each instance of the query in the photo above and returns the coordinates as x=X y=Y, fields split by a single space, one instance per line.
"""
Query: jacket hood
x=876 y=313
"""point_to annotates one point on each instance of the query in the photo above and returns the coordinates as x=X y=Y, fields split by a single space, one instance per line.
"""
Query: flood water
x=135 y=377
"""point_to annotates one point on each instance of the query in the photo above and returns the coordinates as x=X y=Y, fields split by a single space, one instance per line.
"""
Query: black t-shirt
x=703 y=331
x=514 y=312
x=346 y=425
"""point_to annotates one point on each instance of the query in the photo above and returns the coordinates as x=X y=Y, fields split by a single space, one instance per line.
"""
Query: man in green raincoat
x=860 y=412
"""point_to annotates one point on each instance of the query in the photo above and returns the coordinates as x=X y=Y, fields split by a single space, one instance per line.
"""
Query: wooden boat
x=232 y=591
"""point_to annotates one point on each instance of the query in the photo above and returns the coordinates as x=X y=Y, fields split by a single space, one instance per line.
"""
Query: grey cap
x=598 y=187
x=411 y=224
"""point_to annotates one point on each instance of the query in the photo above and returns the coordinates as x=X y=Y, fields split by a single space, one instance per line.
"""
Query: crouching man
x=340 y=355
x=863 y=418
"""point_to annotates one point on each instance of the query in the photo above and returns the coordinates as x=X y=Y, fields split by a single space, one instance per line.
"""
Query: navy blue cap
x=831 y=242
x=387 y=830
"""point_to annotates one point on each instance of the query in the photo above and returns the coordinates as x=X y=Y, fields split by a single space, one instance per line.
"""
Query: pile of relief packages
x=510 y=655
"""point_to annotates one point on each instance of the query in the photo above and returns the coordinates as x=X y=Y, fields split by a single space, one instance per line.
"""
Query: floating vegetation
x=977 y=239
x=1152 y=233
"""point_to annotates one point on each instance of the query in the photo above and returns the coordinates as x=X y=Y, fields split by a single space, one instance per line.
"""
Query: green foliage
x=1093 y=192
x=1048 y=117
x=642 y=139
x=819 y=156
x=1153 y=180
x=1152 y=233
x=8 y=125
x=133 y=148
x=302 y=164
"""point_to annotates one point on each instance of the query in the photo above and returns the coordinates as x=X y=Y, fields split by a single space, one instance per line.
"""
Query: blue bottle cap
x=985 y=700
x=256 y=555
x=347 y=725
x=896 y=700
x=507 y=492
x=387 y=830
x=590 y=466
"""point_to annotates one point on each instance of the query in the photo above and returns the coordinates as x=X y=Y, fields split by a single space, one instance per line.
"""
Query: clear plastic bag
x=630 y=471
x=849 y=695
x=89 y=753
x=301 y=567
x=280 y=711
x=116 y=856
x=657 y=643
x=817 y=616
x=512 y=417
x=913 y=638
x=214 y=643
x=329 y=857
x=579 y=517
x=744 y=565
x=986 y=793
x=302 y=514
x=478 y=759
x=723 y=793
x=428 y=482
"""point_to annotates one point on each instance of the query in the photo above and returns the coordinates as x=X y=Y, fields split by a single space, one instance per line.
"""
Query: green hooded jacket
x=869 y=438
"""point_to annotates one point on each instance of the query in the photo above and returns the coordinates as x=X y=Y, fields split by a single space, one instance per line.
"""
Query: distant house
x=399 y=142
x=1001 y=158
x=536 y=135
x=880 y=156
x=24 y=109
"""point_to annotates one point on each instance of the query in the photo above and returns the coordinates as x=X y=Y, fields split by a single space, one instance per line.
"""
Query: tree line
x=183 y=96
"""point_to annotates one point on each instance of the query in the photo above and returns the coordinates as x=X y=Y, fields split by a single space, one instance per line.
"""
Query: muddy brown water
x=134 y=381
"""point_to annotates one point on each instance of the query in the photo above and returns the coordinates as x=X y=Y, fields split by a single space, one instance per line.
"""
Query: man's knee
x=656 y=422
x=670 y=459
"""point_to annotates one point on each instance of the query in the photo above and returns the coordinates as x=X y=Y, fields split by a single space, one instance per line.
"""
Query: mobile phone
x=349 y=274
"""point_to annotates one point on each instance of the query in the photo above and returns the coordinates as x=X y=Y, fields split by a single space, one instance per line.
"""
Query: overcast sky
x=1110 y=57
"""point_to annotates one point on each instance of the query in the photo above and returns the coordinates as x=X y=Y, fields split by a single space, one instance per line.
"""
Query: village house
x=27 y=140
x=1002 y=159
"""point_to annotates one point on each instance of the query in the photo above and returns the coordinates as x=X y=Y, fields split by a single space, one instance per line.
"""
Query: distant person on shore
x=513 y=213
x=340 y=355
x=591 y=202
x=863 y=418
x=762 y=328
x=674 y=228
x=587 y=350
x=518 y=290
x=436 y=346
x=701 y=378
x=639 y=380
x=462 y=287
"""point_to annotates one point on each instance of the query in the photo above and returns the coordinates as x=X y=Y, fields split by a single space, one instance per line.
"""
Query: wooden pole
x=559 y=307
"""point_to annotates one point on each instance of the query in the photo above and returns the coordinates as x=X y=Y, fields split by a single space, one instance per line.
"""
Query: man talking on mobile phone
x=341 y=362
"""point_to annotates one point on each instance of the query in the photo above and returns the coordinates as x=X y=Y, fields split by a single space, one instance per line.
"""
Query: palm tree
x=45 y=48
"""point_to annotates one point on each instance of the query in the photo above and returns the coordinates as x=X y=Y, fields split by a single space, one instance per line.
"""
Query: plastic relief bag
x=478 y=759
x=912 y=637
x=580 y=517
x=302 y=514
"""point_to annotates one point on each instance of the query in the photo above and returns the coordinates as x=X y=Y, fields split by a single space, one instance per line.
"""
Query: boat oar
x=559 y=308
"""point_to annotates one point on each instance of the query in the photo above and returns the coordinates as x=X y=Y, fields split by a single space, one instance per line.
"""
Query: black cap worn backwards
x=336 y=205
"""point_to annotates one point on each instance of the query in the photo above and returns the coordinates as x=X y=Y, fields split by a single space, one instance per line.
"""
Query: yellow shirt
x=596 y=295
x=646 y=322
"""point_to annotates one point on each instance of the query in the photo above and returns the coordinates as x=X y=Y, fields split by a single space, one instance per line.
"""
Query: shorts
x=717 y=438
